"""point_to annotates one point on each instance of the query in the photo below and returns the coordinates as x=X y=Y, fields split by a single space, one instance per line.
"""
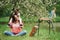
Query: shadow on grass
x=57 y=29
x=2 y=23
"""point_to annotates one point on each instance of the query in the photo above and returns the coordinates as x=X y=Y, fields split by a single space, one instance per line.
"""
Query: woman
x=52 y=14
x=16 y=27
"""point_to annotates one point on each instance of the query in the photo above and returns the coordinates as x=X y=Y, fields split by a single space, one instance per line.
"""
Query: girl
x=16 y=12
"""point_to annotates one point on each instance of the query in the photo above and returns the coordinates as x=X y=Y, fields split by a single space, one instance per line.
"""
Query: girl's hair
x=17 y=9
x=15 y=13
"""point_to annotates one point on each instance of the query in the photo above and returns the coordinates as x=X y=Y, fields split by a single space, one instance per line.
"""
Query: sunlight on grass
x=43 y=32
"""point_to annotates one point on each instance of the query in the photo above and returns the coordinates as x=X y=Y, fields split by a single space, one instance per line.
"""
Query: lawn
x=43 y=32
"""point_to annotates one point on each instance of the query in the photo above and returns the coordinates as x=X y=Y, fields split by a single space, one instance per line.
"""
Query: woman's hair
x=13 y=18
x=53 y=8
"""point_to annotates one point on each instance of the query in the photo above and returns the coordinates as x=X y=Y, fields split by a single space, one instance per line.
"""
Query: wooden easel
x=49 y=21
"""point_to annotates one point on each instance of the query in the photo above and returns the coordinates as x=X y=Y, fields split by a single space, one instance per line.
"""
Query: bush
x=57 y=19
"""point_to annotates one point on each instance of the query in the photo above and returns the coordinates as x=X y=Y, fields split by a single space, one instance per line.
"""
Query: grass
x=57 y=19
x=43 y=32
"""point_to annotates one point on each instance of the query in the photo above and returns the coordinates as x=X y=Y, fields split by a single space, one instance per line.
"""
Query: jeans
x=11 y=34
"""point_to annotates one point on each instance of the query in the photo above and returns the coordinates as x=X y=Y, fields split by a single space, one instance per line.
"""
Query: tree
x=28 y=8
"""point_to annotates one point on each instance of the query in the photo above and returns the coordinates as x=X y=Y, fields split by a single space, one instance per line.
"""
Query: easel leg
x=39 y=21
x=53 y=29
x=38 y=28
x=49 y=26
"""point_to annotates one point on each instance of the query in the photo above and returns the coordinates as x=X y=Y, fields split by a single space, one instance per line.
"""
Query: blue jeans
x=19 y=34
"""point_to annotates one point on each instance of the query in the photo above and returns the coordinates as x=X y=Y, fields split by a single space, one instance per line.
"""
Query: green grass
x=43 y=32
x=57 y=19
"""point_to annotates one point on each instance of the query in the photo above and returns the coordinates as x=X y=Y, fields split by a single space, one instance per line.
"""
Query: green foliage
x=28 y=8
x=57 y=19
x=5 y=8
x=43 y=32
x=58 y=9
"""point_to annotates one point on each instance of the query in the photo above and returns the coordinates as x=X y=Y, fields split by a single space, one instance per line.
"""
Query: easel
x=49 y=21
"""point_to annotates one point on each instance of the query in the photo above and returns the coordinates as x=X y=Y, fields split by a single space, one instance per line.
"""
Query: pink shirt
x=15 y=27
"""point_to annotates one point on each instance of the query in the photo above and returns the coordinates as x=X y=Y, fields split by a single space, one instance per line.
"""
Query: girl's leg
x=8 y=33
x=22 y=33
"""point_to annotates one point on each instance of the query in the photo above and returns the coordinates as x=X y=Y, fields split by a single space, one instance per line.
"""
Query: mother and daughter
x=16 y=25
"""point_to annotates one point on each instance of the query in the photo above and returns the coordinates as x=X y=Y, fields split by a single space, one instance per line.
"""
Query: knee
x=25 y=31
x=5 y=32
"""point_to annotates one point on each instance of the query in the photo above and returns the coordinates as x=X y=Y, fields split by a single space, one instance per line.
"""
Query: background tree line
x=29 y=8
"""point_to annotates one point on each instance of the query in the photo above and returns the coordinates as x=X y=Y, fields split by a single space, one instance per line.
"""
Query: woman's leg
x=22 y=33
x=8 y=33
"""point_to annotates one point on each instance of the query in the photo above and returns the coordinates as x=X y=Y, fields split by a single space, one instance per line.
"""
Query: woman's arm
x=10 y=23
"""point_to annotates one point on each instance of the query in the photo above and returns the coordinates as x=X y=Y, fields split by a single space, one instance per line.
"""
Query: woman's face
x=16 y=18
